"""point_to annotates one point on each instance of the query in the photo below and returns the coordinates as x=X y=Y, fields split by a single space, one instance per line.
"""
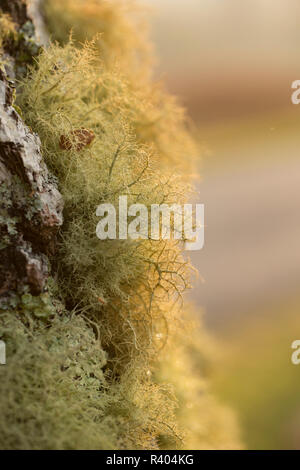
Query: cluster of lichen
x=56 y=391
x=118 y=27
x=119 y=31
x=125 y=279
x=108 y=364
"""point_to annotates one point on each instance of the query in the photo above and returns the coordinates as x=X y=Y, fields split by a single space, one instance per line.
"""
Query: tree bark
x=30 y=205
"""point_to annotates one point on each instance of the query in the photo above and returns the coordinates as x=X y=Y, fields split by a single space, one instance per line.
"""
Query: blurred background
x=232 y=63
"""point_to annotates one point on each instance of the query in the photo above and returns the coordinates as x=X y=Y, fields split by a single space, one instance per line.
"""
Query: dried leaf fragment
x=77 y=139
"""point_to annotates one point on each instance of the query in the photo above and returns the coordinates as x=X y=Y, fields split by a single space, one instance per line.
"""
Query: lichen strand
x=133 y=279
x=119 y=26
x=62 y=397
x=124 y=47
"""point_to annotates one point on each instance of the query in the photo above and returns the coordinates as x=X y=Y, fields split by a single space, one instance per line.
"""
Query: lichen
x=104 y=358
x=57 y=394
x=133 y=279
x=118 y=27
x=120 y=33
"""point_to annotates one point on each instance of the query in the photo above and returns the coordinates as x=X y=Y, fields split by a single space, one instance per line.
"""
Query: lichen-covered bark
x=30 y=205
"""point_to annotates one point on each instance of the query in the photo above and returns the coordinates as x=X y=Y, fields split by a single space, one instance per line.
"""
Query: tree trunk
x=30 y=205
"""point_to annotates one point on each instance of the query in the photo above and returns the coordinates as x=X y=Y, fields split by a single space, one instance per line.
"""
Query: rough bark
x=17 y=9
x=30 y=205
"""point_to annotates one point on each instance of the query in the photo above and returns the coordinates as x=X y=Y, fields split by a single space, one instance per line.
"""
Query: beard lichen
x=119 y=26
x=106 y=359
x=133 y=278
x=120 y=32
x=57 y=394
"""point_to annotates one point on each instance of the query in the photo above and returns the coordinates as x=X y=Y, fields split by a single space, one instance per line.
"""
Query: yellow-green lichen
x=106 y=359
x=121 y=283
x=56 y=394
x=119 y=26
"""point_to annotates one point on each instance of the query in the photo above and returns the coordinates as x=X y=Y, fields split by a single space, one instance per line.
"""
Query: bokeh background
x=232 y=63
